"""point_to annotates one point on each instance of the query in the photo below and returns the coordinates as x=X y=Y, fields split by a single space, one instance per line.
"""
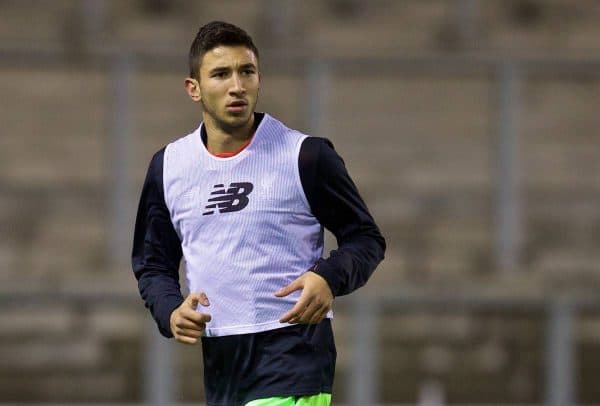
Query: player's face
x=229 y=84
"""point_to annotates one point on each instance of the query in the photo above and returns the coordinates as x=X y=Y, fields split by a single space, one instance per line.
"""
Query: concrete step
x=28 y=320
x=380 y=21
x=65 y=142
x=22 y=24
x=577 y=266
x=67 y=387
x=554 y=26
x=419 y=105
x=41 y=353
x=415 y=327
x=69 y=239
x=119 y=323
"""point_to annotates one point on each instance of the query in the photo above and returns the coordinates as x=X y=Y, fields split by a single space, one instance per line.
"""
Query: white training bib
x=245 y=225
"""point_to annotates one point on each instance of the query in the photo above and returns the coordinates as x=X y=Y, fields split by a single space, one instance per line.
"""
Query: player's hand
x=187 y=324
x=314 y=302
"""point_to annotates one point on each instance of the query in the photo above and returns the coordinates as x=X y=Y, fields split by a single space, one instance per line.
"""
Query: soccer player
x=244 y=200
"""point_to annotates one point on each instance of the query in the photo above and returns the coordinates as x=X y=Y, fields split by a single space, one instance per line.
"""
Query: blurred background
x=470 y=126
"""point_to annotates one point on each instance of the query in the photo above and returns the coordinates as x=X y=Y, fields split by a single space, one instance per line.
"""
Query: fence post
x=508 y=210
x=363 y=375
x=159 y=372
x=560 y=348
x=120 y=151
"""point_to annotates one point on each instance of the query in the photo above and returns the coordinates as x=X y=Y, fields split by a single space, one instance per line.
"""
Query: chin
x=238 y=121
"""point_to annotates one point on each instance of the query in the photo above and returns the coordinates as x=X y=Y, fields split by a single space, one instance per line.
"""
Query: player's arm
x=157 y=250
x=337 y=204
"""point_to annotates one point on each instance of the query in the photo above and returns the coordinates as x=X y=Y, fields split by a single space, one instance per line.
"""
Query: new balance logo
x=234 y=198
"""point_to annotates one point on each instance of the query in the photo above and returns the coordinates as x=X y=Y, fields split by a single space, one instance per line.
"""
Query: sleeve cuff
x=163 y=320
x=326 y=270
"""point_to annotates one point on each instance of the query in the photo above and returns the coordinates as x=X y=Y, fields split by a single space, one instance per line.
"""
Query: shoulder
x=315 y=150
x=317 y=163
x=278 y=130
x=317 y=144
x=310 y=148
x=158 y=157
x=181 y=150
x=182 y=143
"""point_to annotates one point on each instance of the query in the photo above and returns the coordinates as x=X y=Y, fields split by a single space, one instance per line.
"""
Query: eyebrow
x=248 y=65
x=227 y=68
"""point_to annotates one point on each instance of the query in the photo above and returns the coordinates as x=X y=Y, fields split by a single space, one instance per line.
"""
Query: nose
x=237 y=85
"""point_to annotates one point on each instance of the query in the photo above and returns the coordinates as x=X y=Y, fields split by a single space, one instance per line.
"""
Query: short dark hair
x=212 y=35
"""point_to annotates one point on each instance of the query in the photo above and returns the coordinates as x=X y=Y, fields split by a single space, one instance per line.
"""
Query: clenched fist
x=187 y=324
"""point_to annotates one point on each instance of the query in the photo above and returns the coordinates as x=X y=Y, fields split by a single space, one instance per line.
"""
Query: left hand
x=314 y=302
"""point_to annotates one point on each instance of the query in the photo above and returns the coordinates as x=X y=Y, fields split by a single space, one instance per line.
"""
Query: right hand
x=187 y=324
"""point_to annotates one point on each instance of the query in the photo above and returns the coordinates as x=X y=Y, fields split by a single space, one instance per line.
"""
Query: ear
x=192 y=87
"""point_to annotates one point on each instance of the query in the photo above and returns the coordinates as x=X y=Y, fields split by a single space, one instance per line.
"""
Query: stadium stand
x=420 y=145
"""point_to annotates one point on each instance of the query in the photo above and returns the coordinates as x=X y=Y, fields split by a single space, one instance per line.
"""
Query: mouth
x=237 y=106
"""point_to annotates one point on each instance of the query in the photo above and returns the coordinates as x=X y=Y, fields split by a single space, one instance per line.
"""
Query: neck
x=220 y=139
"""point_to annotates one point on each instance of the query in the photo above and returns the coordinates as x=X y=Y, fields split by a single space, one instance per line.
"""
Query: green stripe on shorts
x=322 y=399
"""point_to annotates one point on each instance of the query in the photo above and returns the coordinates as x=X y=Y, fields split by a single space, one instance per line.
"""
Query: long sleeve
x=337 y=204
x=156 y=250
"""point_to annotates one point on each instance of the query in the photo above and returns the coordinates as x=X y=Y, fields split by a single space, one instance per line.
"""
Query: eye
x=219 y=75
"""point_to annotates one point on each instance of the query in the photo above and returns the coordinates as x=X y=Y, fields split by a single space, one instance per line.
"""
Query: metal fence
x=561 y=313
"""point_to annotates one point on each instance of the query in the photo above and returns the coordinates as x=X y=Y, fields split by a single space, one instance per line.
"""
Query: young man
x=244 y=199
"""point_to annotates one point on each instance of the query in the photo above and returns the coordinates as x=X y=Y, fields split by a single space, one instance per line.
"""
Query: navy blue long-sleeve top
x=333 y=198
x=295 y=360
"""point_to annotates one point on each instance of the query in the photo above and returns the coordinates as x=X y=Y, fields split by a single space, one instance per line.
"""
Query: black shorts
x=290 y=361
